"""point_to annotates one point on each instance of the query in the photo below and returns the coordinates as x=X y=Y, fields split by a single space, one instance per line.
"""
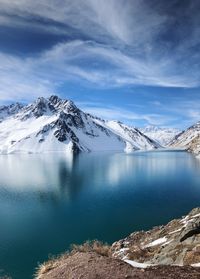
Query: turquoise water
x=48 y=202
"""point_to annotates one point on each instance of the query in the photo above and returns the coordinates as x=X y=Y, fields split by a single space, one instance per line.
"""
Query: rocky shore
x=164 y=245
x=170 y=251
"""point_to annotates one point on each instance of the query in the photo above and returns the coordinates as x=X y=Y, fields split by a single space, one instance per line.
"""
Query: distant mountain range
x=56 y=125
x=160 y=134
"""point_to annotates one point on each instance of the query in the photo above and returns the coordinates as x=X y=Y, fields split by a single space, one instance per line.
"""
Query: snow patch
x=136 y=264
x=196 y=265
x=175 y=231
x=156 y=242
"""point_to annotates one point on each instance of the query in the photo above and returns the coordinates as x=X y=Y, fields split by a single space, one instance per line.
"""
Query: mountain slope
x=189 y=139
x=56 y=125
x=132 y=135
x=162 y=135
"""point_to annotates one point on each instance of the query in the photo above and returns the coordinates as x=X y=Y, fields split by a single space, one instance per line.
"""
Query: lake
x=49 y=201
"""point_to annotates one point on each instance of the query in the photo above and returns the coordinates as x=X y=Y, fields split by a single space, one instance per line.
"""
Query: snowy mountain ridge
x=189 y=139
x=160 y=134
x=57 y=125
x=130 y=134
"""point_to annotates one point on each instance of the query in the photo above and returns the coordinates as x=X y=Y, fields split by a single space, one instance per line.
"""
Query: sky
x=137 y=61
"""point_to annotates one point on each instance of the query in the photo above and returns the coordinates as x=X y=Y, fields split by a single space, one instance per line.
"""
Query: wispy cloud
x=179 y=116
x=184 y=111
x=121 y=20
x=108 y=43
x=127 y=116
x=84 y=61
x=19 y=82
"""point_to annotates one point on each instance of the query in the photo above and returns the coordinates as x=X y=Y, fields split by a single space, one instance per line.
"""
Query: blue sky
x=137 y=61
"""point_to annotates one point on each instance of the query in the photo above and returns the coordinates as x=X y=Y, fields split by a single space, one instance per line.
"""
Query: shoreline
x=159 y=252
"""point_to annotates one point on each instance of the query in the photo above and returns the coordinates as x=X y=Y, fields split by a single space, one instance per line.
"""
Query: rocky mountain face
x=189 y=139
x=162 y=135
x=177 y=243
x=56 y=125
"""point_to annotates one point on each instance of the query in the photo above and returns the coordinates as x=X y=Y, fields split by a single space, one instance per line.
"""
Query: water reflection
x=53 y=177
x=49 y=177
x=22 y=171
x=49 y=201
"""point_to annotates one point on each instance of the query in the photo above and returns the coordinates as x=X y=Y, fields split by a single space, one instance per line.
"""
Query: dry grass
x=89 y=246
x=45 y=268
x=92 y=246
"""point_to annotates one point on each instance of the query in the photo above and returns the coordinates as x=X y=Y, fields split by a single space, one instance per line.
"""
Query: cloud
x=189 y=109
x=127 y=116
x=83 y=61
x=108 y=44
x=182 y=112
x=120 y=20
x=18 y=82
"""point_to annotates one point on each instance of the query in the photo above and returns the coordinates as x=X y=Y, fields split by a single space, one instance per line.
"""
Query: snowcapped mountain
x=56 y=125
x=189 y=139
x=160 y=134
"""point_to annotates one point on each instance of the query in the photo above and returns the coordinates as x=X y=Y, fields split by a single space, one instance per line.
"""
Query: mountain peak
x=54 y=99
x=62 y=104
x=55 y=124
x=40 y=106
x=70 y=107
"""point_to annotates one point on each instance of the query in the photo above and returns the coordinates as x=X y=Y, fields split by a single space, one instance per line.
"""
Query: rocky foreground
x=171 y=251
x=90 y=265
x=177 y=243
